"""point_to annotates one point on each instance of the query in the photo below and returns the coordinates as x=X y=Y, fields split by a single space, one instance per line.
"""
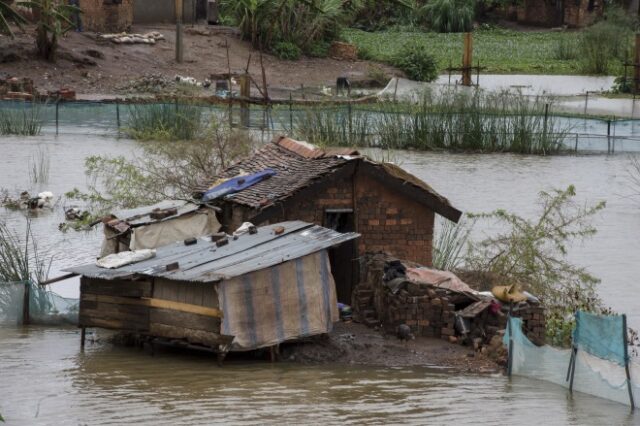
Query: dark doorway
x=344 y=257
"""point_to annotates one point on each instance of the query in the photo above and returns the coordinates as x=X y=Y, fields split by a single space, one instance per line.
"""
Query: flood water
x=45 y=379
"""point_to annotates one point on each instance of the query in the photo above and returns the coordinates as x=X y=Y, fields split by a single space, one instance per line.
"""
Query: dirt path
x=103 y=68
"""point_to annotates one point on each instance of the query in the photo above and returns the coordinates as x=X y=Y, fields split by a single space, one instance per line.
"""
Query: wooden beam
x=155 y=303
x=57 y=279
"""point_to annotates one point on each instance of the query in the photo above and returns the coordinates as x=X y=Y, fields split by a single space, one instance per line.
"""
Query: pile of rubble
x=16 y=88
x=126 y=38
x=437 y=304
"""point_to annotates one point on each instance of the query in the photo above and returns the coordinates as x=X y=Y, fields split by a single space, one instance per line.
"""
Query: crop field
x=500 y=51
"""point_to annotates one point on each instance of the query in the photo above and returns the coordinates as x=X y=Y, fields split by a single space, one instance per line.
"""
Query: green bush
x=319 y=49
x=287 y=50
x=602 y=45
x=450 y=16
x=417 y=63
x=565 y=49
x=622 y=85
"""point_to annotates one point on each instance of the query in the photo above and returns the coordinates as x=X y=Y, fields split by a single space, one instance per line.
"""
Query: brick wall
x=105 y=16
x=393 y=223
x=388 y=222
x=581 y=15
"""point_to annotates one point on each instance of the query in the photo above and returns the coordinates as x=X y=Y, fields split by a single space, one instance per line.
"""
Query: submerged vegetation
x=178 y=121
x=20 y=259
x=22 y=119
x=39 y=165
x=447 y=120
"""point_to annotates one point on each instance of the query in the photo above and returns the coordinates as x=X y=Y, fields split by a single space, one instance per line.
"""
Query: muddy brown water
x=45 y=379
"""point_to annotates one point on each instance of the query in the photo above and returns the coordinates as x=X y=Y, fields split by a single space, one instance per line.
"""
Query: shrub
x=319 y=49
x=622 y=85
x=601 y=45
x=286 y=50
x=164 y=122
x=449 y=16
x=417 y=63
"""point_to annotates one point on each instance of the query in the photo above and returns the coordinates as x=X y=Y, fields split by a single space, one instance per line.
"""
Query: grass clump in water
x=22 y=118
x=164 y=122
x=449 y=120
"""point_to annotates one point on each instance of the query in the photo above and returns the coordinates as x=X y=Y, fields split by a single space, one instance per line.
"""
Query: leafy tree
x=532 y=253
x=9 y=15
x=53 y=22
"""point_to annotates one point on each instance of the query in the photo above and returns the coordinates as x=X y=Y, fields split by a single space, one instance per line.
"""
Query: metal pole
x=576 y=142
x=118 y=114
x=608 y=136
x=626 y=360
x=546 y=117
x=510 y=325
x=57 y=115
x=586 y=99
x=25 y=303
x=83 y=332
x=290 y=113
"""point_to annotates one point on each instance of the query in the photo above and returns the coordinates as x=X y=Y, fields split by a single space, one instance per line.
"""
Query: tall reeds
x=164 y=122
x=39 y=165
x=450 y=244
x=23 y=118
x=448 y=120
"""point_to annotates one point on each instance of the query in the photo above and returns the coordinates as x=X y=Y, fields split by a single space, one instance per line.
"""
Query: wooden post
x=290 y=113
x=608 y=136
x=636 y=67
x=626 y=360
x=467 y=59
x=245 y=94
x=118 y=114
x=572 y=367
x=83 y=332
x=179 y=33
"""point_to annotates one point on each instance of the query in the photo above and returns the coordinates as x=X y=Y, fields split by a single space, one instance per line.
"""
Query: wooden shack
x=391 y=209
x=269 y=285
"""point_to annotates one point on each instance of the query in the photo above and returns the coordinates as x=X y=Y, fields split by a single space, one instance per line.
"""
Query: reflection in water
x=45 y=380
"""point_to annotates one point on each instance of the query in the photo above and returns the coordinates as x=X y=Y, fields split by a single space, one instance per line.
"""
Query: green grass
x=501 y=51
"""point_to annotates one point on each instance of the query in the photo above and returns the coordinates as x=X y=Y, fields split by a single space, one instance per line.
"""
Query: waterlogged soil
x=353 y=343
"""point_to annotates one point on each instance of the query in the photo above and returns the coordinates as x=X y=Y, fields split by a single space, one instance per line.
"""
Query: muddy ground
x=100 y=68
x=352 y=343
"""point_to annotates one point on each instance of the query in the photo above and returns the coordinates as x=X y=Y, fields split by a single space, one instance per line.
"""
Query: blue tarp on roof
x=237 y=184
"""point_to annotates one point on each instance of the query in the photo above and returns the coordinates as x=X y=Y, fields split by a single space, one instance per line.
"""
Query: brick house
x=555 y=13
x=393 y=210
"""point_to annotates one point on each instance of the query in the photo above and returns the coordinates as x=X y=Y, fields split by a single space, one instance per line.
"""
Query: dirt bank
x=351 y=343
x=103 y=68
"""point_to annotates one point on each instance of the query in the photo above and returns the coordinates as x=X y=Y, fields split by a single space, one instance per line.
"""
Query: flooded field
x=45 y=379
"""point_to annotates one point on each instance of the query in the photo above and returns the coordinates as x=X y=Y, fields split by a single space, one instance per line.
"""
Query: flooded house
x=340 y=189
x=254 y=290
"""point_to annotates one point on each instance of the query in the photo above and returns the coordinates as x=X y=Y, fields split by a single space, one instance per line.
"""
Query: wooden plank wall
x=99 y=306
x=195 y=328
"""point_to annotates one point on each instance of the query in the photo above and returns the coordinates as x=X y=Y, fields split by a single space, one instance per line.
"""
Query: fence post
x=576 y=143
x=25 y=303
x=290 y=112
x=57 y=114
x=626 y=360
x=608 y=136
x=350 y=120
x=546 y=118
x=118 y=114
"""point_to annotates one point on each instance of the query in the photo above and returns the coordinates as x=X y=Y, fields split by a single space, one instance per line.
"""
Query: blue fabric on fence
x=600 y=336
x=237 y=184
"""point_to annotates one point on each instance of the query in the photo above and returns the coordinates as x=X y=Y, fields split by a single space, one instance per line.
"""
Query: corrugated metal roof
x=142 y=215
x=205 y=262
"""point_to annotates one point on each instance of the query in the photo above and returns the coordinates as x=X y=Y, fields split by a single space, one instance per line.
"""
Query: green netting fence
x=25 y=302
x=355 y=121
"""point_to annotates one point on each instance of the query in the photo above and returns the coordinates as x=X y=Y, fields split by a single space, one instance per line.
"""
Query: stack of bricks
x=534 y=321
x=424 y=309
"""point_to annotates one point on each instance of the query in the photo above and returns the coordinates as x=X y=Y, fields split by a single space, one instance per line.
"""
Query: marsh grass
x=450 y=243
x=164 y=122
x=450 y=120
x=39 y=165
x=20 y=259
x=22 y=118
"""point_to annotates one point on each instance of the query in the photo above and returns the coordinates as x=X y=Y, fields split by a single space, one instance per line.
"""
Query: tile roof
x=300 y=164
